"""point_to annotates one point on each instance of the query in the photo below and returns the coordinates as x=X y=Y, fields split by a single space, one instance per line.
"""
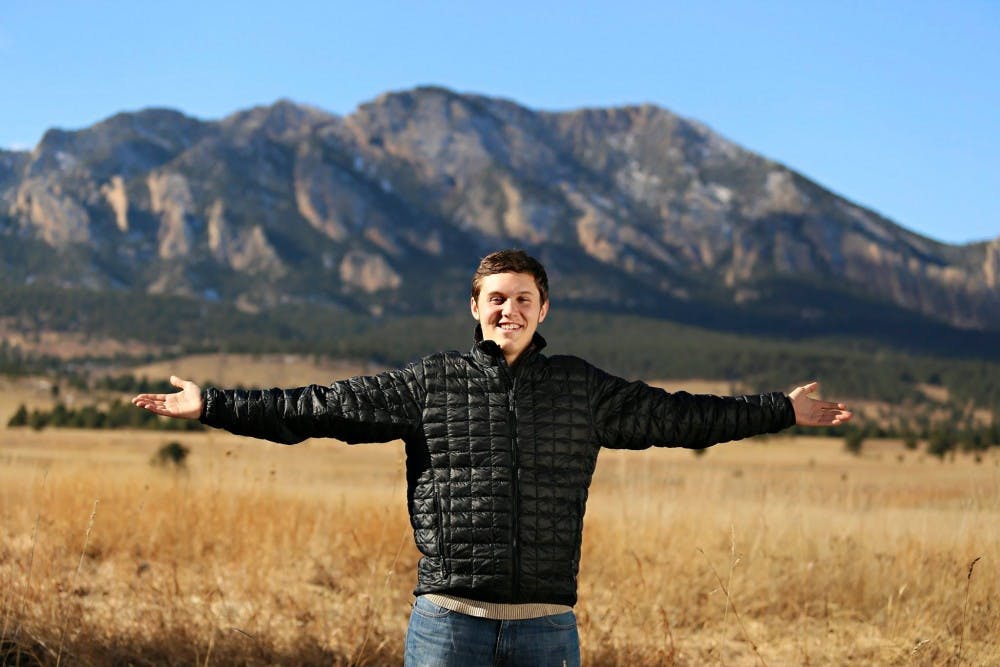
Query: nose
x=508 y=307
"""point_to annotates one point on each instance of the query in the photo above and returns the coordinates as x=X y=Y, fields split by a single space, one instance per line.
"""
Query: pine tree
x=20 y=417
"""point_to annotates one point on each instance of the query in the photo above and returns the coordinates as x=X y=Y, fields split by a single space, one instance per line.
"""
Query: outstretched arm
x=633 y=415
x=184 y=404
x=811 y=412
x=374 y=408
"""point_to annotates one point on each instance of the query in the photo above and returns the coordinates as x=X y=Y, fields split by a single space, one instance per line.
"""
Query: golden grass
x=786 y=552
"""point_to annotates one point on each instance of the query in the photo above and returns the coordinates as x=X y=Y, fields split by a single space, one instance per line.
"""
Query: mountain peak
x=635 y=207
x=282 y=120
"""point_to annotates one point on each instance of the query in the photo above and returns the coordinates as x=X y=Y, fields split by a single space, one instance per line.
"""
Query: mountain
x=387 y=210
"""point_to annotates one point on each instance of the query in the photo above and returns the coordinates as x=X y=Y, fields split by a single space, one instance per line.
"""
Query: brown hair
x=511 y=261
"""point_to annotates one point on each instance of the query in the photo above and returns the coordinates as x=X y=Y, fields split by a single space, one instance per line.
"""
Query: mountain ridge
x=384 y=209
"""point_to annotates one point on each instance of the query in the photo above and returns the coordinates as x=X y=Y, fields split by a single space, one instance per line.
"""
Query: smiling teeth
x=510 y=327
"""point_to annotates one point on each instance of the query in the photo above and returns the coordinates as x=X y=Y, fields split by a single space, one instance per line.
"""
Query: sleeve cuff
x=789 y=420
x=208 y=398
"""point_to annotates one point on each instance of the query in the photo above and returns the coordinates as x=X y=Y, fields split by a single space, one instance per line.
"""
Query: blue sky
x=895 y=105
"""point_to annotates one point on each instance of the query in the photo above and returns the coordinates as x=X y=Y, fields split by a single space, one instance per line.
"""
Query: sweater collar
x=489 y=350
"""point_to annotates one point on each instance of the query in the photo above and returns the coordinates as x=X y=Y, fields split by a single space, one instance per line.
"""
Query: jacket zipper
x=515 y=492
x=440 y=533
x=511 y=376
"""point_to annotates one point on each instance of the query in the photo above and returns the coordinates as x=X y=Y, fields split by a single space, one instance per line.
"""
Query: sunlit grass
x=787 y=552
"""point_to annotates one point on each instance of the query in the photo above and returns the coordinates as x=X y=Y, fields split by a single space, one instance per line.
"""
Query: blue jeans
x=439 y=637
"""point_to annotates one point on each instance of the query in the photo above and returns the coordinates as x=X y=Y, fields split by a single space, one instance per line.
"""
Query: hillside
x=893 y=393
x=385 y=212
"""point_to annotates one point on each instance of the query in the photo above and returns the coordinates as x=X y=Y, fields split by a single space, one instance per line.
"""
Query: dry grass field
x=782 y=552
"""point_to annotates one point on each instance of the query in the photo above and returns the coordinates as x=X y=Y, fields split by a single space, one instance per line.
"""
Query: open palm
x=184 y=404
x=812 y=412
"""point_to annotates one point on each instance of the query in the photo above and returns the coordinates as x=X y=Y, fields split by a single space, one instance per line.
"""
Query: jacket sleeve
x=376 y=408
x=633 y=415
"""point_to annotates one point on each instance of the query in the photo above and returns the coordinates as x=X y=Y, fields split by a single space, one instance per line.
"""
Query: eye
x=496 y=300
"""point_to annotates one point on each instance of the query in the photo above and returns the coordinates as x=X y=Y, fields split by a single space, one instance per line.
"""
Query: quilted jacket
x=498 y=459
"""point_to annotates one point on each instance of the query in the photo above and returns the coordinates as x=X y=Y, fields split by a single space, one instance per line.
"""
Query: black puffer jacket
x=498 y=460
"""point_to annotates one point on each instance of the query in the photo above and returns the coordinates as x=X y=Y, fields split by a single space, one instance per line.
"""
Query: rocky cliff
x=389 y=208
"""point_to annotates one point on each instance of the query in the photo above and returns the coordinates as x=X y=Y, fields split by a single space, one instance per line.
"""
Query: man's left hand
x=812 y=412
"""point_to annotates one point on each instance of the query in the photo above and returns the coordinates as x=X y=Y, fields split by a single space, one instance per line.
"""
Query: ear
x=543 y=311
x=475 y=308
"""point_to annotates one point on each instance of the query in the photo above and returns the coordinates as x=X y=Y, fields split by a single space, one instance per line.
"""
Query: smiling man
x=501 y=444
x=510 y=298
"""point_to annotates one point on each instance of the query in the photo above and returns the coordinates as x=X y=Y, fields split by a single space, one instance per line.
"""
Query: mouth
x=509 y=326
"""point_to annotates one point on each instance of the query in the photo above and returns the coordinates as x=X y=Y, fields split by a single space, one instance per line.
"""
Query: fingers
x=814 y=412
x=174 y=380
x=833 y=416
x=805 y=389
x=184 y=404
x=149 y=397
x=151 y=404
x=156 y=408
x=843 y=417
x=835 y=409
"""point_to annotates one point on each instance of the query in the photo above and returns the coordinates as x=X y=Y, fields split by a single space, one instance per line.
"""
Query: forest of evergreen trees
x=627 y=345
x=119 y=414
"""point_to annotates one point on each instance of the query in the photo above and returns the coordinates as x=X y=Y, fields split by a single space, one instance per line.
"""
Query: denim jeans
x=439 y=637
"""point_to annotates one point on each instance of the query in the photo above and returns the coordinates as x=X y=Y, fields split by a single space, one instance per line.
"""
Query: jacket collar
x=489 y=352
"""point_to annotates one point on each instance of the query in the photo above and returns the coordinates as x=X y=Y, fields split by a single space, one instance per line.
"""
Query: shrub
x=854 y=440
x=940 y=443
x=172 y=455
x=37 y=420
x=20 y=418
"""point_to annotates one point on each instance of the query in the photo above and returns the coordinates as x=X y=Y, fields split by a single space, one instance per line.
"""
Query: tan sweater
x=497 y=611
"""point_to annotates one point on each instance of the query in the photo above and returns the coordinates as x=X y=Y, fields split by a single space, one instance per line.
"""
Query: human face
x=509 y=309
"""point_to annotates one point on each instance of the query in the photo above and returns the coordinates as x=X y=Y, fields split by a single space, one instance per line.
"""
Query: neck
x=512 y=358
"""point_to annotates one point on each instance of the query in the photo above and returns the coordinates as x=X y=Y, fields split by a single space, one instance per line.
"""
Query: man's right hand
x=185 y=404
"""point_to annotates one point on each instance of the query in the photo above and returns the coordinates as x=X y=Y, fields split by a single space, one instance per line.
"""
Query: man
x=501 y=444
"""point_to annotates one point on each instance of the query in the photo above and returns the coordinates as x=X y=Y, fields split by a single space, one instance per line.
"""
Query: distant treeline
x=117 y=415
x=131 y=384
x=15 y=362
x=628 y=345
x=940 y=438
